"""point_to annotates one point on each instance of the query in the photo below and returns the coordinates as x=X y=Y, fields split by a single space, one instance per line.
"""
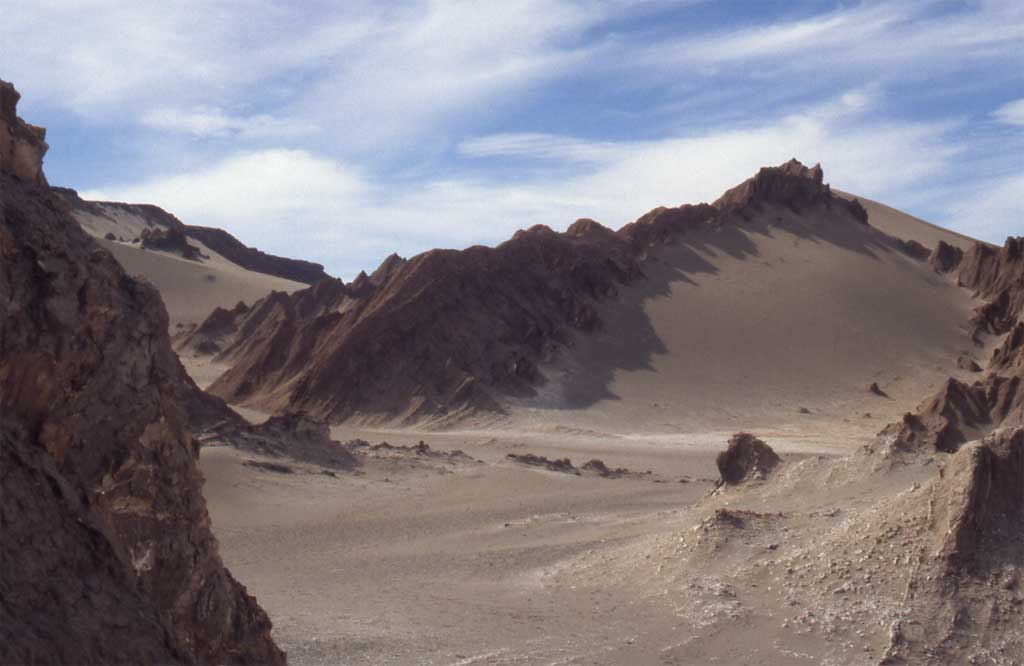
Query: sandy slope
x=740 y=327
x=496 y=563
x=191 y=290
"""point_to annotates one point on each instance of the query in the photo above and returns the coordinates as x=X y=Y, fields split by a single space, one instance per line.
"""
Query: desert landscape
x=785 y=426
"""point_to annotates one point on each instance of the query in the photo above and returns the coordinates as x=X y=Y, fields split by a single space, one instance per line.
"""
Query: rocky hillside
x=132 y=223
x=451 y=333
x=107 y=554
x=963 y=411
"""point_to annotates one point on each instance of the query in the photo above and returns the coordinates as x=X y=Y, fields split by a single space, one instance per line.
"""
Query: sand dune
x=748 y=324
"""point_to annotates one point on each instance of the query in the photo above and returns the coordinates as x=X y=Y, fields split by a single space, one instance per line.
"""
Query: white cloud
x=1011 y=113
x=992 y=210
x=295 y=203
x=212 y=122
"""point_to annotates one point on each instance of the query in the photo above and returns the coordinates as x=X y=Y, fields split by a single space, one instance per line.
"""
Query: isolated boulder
x=169 y=239
x=747 y=457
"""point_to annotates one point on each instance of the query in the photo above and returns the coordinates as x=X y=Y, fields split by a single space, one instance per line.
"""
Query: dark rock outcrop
x=960 y=412
x=945 y=258
x=746 y=458
x=169 y=239
x=295 y=436
x=107 y=554
x=562 y=465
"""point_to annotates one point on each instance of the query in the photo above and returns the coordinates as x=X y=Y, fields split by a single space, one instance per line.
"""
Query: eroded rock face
x=960 y=412
x=945 y=257
x=170 y=239
x=107 y=554
x=964 y=599
x=746 y=457
x=22 y=146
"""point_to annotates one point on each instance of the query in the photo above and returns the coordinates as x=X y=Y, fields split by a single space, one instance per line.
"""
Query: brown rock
x=945 y=257
x=107 y=554
x=22 y=146
x=747 y=457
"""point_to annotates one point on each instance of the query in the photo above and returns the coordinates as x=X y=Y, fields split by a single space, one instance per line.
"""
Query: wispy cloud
x=282 y=200
x=210 y=122
x=1011 y=113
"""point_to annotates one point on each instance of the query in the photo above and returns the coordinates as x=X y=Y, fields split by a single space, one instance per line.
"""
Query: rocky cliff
x=107 y=554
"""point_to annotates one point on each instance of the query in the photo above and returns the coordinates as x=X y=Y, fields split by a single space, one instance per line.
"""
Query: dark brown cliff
x=107 y=554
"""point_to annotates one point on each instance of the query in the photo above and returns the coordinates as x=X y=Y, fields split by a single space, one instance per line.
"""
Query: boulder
x=746 y=458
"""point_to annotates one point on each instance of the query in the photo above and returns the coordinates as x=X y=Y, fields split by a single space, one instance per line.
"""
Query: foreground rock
x=107 y=554
x=965 y=602
x=746 y=458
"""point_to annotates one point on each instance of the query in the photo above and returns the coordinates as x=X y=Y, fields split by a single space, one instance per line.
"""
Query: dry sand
x=416 y=562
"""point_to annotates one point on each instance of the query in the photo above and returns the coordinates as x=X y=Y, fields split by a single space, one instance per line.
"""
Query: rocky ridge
x=449 y=334
x=171 y=234
x=96 y=447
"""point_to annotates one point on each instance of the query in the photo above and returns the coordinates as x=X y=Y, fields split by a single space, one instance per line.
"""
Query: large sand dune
x=748 y=324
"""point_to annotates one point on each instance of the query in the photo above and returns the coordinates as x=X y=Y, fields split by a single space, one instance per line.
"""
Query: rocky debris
x=170 y=239
x=746 y=458
x=420 y=450
x=964 y=598
x=295 y=436
x=216 y=240
x=563 y=465
x=599 y=468
x=107 y=551
x=22 y=146
x=945 y=258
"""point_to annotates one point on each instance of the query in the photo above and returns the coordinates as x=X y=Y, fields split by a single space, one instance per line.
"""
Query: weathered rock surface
x=964 y=600
x=960 y=412
x=746 y=458
x=294 y=436
x=22 y=146
x=107 y=554
x=945 y=257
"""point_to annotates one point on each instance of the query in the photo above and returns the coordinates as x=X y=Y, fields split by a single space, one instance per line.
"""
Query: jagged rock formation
x=448 y=334
x=792 y=184
x=746 y=458
x=960 y=412
x=164 y=224
x=294 y=436
x=964 y=600
x=22 y=146
x=107 y=554
x=945 y=257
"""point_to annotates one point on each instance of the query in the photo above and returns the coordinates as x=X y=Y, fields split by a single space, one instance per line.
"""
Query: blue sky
x=341 y=132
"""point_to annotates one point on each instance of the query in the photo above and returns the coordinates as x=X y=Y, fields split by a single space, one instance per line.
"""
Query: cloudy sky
x=341 y=132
